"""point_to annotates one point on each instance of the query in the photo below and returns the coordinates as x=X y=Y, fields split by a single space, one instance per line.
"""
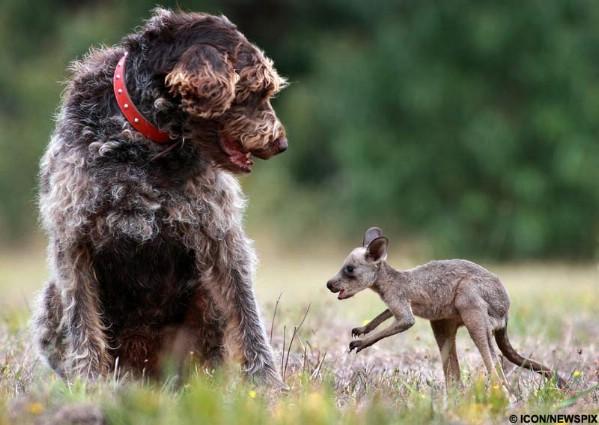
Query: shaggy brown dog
x=148 y=255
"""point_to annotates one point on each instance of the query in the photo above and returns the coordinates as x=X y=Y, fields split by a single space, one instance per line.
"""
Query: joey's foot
x=356 y=332
x=358 y=345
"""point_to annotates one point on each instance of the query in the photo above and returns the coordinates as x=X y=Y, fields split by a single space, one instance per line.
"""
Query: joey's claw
x=362 y=330
x=357 y=344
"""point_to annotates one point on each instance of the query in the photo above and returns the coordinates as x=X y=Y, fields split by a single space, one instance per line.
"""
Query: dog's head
x=221 y=82
x=361 y=268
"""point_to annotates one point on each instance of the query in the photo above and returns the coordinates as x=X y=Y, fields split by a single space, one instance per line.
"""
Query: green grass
x=554 y=318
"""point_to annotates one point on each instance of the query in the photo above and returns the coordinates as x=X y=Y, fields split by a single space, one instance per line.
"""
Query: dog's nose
x=282 y=144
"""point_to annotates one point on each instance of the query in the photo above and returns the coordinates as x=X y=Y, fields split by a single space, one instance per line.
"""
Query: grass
x=554 y=318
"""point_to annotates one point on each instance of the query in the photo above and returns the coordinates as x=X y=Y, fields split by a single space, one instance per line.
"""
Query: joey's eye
x=348 y=269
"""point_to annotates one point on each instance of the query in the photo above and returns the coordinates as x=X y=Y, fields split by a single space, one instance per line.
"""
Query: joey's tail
x=512 y=355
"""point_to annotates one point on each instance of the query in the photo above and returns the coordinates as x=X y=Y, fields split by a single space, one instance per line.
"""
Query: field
x=554 y=318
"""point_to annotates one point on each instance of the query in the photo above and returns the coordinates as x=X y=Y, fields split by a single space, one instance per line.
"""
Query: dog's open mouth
x=239 y=159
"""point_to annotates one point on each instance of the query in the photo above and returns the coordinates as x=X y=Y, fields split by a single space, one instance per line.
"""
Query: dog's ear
x=377 y=249
x=370 y=235
x=259 y=76
x=205 y=80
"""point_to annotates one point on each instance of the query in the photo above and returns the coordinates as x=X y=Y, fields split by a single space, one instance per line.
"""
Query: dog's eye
x=348 y=269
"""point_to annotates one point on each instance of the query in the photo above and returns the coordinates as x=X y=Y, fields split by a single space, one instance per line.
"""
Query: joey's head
x=361 y=268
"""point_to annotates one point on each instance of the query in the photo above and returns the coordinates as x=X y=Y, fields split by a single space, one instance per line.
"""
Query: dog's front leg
x=87 y=353
x=230 y=286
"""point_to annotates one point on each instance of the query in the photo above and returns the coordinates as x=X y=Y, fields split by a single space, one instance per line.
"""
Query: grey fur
x=449 y=293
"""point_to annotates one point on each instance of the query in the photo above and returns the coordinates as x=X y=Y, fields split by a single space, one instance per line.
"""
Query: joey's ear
x=205 y=80
x=377 y=249
x=370 y=235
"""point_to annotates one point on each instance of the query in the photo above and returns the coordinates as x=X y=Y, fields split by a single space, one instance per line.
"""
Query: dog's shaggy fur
x=148 y=256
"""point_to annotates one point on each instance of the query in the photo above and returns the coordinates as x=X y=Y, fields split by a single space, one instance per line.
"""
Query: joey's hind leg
x=445 y=334
x=496 y=360
x=477 y=323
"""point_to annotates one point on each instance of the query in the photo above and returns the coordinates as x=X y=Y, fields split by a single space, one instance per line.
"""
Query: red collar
x=127 y=107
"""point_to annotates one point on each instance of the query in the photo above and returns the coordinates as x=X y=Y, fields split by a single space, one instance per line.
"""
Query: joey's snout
x=337 y=285
x=332 y=287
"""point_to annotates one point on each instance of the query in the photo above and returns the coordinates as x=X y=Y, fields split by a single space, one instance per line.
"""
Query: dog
x=449 y=293
x=149 y=260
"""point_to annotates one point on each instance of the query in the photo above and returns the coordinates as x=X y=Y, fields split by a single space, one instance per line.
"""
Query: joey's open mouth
x=239 y=159
x=342 y=295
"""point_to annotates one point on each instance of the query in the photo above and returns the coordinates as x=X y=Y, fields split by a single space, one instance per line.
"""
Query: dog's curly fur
x=148 y=256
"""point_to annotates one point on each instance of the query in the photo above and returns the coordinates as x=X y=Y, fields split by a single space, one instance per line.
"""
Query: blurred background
x=462 y=128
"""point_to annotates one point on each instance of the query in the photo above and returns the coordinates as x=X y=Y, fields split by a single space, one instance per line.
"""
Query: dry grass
x=554 y=318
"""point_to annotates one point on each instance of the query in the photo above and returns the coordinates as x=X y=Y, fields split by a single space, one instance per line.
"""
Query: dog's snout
x=275 y=147
x=282 y=144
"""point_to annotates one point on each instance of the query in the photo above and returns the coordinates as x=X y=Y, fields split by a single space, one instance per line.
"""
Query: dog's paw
x=356 y=332
x=357 y=345
x=269 y=378
x=92 y=364
x=73 y=414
